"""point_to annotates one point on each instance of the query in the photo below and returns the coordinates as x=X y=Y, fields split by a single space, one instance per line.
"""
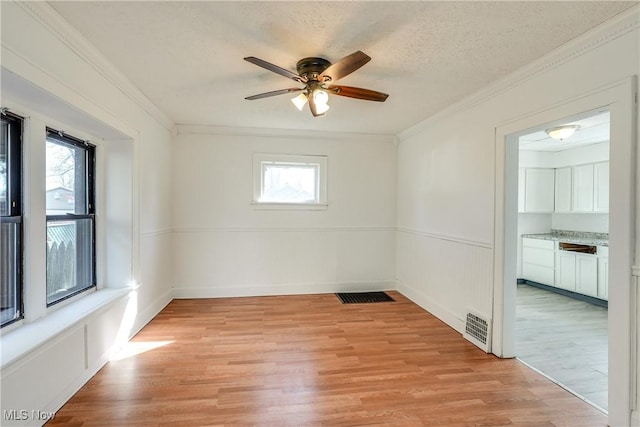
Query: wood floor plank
x=312 y=361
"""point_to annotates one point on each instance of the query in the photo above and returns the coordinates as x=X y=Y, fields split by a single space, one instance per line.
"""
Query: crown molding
x=59 y=27
x=280 y=133
x=615 y=27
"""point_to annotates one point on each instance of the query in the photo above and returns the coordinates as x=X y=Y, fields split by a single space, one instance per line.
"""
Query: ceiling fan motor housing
x=311 y=68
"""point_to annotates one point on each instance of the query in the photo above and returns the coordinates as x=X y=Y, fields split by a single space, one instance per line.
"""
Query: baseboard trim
x=281 y=289
x=432 y=307
x=151 y=311
x=574 y=295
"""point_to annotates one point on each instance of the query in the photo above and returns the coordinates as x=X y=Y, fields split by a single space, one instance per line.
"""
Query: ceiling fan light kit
x=300 y=101
x=317 y=74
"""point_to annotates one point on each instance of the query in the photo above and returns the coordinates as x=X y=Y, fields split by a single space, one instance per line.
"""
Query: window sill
x=30 y=336
x=291 y=206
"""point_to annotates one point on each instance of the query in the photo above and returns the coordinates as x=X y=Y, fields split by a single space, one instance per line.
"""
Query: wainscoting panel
x=445 y=276
x=269 y=261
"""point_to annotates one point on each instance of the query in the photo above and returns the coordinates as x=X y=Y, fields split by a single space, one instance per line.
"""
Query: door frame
x=619 y=98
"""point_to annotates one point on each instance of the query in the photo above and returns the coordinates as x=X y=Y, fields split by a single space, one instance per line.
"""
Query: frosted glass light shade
x=562 y=132
x=300 y=101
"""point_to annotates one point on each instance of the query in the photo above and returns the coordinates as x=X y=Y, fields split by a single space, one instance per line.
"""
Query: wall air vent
x=477 y=329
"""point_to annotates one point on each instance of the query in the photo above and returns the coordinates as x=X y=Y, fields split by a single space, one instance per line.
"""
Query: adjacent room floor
x=308 y=360
x=565 y=339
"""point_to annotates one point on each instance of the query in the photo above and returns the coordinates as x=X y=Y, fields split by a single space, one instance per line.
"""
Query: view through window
x=10 y=220
x=70 y=216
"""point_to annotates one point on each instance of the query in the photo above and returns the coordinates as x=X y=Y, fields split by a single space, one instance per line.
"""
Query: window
x=11 y=219
x=70 y=208
x=290 y=180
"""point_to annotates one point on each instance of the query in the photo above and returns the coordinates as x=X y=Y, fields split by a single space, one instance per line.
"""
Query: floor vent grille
x=477 y=329
x=363 y=297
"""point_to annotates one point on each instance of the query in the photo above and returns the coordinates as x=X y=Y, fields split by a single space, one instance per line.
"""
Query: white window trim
x=320 y=161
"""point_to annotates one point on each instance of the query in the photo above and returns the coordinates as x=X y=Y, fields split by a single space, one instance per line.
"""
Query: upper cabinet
x=582 y=188
x=601 y=187
x=563 y=190
x=590 y=188
x=572 y=189
x=538 y=190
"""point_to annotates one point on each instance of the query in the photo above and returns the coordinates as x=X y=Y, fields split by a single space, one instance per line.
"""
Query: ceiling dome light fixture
x=562 y=132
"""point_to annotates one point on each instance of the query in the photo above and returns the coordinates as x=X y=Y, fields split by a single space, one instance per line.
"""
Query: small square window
x=290 y=181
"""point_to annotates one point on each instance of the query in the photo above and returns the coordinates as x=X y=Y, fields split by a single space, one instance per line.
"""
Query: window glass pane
x=70 y=224
x=289 y=183
x=10 y=306
x=4 y=171
x=10 y=220
x=66 y=179
x=69 y=257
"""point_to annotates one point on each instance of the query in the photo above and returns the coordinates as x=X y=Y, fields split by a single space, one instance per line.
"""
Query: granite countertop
x=579 y=237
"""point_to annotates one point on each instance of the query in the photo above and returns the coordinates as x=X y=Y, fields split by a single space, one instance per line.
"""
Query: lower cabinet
x=566 y=271
x=537 y=260
x=603 y=272
x=586 y=274
x=577 y=272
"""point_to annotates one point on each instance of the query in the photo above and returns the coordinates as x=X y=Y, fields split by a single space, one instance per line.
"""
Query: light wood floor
x=566 y=339
x=311 y=361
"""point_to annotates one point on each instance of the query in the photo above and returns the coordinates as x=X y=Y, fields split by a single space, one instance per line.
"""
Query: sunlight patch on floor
x=134 y=348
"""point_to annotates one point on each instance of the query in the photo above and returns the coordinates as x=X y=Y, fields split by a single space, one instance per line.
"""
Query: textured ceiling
x=187 y=57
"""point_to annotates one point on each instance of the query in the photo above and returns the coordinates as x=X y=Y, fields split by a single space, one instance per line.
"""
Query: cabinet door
x=566 y=270
x=538 y=192
x=583 y=188
x=563 y=190
x=601 y=187
x=587 y=275
x=603 y=278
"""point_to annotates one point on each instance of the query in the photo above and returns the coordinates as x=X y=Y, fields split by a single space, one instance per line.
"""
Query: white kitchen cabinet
x=537 y=260
x=539 y=190
x=563 y=190
x=603 y=272
x=561 y=265
x=582 y=200
x=565 y=275
x=587 y=274
x=601 y=187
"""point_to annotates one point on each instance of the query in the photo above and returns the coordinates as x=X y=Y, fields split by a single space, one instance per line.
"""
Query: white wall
x=224 y=246
x=53 y=76
x=447 y=167
x=446 y=164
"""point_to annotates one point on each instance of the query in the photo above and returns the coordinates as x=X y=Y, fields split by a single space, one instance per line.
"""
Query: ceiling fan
x=317 y=76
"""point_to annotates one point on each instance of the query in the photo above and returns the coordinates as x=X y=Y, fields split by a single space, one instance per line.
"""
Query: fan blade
x=274 y=93
x=278 y=70
x=345 y=66
x=359 y=93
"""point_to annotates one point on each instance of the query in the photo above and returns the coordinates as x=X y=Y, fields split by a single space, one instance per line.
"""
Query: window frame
x=14 y=197
x=319 y=162
x=90 y=205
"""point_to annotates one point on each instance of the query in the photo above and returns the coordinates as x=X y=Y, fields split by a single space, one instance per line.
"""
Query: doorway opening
x=619 y=97
x=563 y=254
